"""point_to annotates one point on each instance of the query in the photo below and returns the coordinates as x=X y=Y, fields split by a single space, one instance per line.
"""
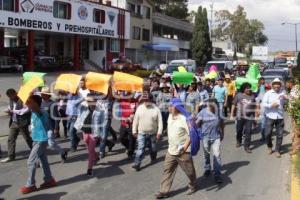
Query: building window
x=131 y=7
x=147 y=12
x=62 y=10
x=136 y=33
x=8 y=5
x=139 y=10
x=99 y=16
x=146 y=35
x=114 y=45
x=98 y=45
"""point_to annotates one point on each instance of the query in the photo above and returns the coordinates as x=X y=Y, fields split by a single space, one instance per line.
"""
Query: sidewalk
x=295 y=177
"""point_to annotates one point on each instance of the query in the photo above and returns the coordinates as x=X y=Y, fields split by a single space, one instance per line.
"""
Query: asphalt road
x=255 y=176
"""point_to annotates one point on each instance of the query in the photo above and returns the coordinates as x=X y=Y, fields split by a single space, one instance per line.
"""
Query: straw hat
x=46 y=90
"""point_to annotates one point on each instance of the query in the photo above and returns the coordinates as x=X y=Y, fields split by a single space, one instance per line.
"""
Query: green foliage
x=239 y=29
x=294 y=110
x=173 y=8
x=298 y=61
x=201 y=45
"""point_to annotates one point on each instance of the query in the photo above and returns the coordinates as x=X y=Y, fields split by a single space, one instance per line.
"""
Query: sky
x=271 y=12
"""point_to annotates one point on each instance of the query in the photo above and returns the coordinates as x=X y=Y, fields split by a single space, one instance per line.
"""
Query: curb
x=295 y=180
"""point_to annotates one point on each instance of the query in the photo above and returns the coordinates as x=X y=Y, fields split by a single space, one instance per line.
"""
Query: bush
x=294 y=111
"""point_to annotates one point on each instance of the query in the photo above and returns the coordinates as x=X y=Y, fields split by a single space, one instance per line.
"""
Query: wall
x=142 y=23
x=96 y=56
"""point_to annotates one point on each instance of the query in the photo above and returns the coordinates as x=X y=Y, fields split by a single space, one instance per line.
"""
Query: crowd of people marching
x=162 y=109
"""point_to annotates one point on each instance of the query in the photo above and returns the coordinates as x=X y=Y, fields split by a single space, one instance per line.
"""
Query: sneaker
x=27 y=190
x=207 y=173
x=90 y=172
x=191 y=191
x=238 y=145
x=64 y=157
x=136 y=167
x=218 y=180
x=270 y=151
x=110 y=147
x=161 y=195
x=6 y=160
x=278 y=155
x=247 y=150
x=102 y=155
x=48 y=184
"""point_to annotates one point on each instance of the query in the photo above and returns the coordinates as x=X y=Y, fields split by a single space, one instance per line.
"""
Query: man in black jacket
x=18 y=123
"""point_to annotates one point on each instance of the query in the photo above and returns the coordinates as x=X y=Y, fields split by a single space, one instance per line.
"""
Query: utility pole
x=211 y=18
x=296 y=32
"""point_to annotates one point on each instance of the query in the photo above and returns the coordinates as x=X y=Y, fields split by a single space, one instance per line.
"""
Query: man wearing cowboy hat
x=48 y=106
x=273 y=103
x=147 y=128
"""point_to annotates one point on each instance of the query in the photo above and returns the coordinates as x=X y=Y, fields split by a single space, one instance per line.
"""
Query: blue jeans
x=38 y=153
x=279 y=126
x=213 y=145
x=53 y=144
x=143 y=142
x=72 y=132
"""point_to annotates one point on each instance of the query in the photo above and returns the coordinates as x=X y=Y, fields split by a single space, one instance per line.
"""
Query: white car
x=189 y=64
x=8 y=63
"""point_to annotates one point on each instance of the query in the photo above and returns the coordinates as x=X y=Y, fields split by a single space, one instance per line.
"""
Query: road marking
x=295 y=180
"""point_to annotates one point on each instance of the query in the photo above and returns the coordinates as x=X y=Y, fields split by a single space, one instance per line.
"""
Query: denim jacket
x=99 y=122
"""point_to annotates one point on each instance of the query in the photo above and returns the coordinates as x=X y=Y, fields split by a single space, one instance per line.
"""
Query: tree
x=240 y=30
x=201 y=45
x=173 y=8
x=298 y=61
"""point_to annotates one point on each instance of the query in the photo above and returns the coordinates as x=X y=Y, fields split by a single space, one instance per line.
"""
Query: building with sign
x=155 y=37
x=62 y=32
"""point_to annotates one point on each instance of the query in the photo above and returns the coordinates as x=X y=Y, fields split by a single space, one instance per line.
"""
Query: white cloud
x=271 y=12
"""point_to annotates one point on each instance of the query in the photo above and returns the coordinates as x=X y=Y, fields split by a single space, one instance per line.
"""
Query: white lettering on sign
x=39 y=15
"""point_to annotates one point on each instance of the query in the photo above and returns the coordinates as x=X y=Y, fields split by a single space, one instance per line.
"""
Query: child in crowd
x=40 y=128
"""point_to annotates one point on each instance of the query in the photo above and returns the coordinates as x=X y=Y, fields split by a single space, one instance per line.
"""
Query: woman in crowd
x=192 y=99
x=162 y=101
x=210 y=122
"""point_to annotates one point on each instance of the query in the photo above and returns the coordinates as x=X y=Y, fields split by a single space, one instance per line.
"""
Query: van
x=189 y=64
x=221 y=66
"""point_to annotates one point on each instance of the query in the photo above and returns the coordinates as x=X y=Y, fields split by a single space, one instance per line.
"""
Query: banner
x=29 y=75
x=68 y=82
x=240 y=80
x=98 y=82
x=26 y=89
x=182 y=77
x=127 y=82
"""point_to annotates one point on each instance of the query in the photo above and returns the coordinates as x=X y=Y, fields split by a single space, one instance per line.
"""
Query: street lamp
x=296 y=34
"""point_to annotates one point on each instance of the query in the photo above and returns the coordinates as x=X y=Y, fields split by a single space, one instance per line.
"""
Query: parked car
x=124 y=65
x=221 y=66
x=45 y=63
x=276 y=73
x=189 y=64
x=10 y=64
x=269 y=79
x=170 y=69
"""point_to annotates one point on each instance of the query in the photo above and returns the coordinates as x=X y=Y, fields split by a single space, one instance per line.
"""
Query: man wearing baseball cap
x=273 y=102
